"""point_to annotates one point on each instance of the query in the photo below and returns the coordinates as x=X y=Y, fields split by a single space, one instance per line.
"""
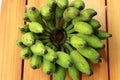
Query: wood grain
x=100 y=70
x=11 y=18
x=30 y=74
x=114 y=42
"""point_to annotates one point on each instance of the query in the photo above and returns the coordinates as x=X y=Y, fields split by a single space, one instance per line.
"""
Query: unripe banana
x=60 y=73
x=51 y=55
x=94 y=23
x=38 y=48
x=80 y=63
x=26 y=17
x=70 y=13
x=83 y=28
x=48 y=67
x=36 y=62
x=34 y=15
x=28 y=39
x=89 y=53
x=36 y=27
x=20 y=43
x=24 y=28
x=78 y=4
x=25 y=53
x=74 y=73
x=63 y=4
x=46 y=12
x=102 y=34
x=64 y=59
x=77 y=41
x=85 y=15
x=92 y=41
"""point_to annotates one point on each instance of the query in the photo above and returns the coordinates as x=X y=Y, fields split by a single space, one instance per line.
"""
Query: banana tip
x=91 y=73
x=70 y=64
x=110 y=35
x=45 y=52
x=34 y=67
x=33 y=8
x=64 y=7
x=26 y=55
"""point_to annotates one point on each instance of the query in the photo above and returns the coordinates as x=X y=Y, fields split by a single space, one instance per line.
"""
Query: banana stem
x=44 y=37
x=65 y=24
x=69 y=27
x=68 y=47
x=45 y=41
x=62 y=48
x=71 y=31
x=57 y=22
x=50 y=25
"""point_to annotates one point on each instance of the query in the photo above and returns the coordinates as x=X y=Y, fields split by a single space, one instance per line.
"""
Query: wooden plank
x=100 y=70
x=30 y=74
x=114 y=42
x=11 y=18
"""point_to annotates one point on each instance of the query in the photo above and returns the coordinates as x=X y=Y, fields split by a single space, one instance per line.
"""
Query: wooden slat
x=100 y=70
x=30 y=74
x=11 y=18
x=114 y=42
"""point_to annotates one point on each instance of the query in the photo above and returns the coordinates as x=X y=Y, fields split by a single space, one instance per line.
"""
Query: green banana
x=76 y=41
x=34 y=15
x=35 y=62
x=89 y=53
x=24 y=28
x=25 y=53
x=63 y=4
x=92 y=41
x=36 y=27
x=85 y=15
x=26 y=17
x=46 y=12
x=20 y=43
x=83 y=28
x=70 y=13
x=80 y=63
x=74 y=73
x=48 y=67
x=78 y=4
x=60 y=73
x=38 y=48
x=102 y=34
x=94 y=23
x=51 y=55
x=64 y=59
x=28 y=39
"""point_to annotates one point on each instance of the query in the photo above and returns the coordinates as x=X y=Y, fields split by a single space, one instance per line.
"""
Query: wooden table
x=13 y=68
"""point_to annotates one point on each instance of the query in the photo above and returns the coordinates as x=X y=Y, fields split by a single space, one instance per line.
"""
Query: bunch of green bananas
x=57 y=46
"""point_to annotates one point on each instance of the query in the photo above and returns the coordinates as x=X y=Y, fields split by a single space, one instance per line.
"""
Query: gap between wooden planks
x=114 y=42
x=10 y=19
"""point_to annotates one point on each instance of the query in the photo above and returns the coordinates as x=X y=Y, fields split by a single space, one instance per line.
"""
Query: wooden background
x=13 y=68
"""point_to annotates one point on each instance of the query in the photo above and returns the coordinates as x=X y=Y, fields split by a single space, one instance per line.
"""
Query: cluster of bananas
x=62 y=37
